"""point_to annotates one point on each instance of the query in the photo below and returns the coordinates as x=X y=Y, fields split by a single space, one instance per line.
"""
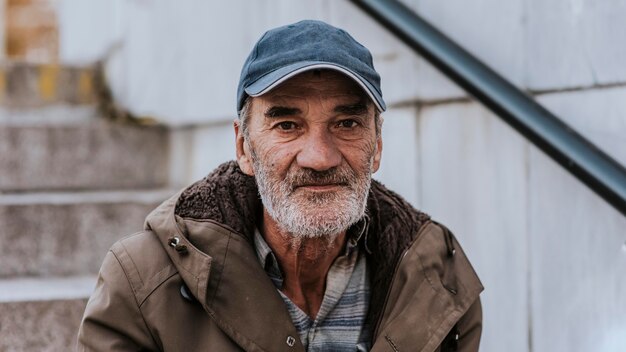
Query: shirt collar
x=263 y=250
x=355 y=233
x=270 y=263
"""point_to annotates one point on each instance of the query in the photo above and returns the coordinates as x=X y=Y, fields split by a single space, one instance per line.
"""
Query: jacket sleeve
x=112 y=320
x=469 y=328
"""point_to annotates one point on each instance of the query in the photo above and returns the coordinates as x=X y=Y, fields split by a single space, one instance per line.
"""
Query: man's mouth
x=320 y=187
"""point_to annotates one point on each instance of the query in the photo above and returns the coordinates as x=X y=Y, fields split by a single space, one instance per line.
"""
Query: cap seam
x=256 y=53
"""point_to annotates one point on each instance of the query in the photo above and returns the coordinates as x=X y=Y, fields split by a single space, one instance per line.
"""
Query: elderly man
x=292 y=247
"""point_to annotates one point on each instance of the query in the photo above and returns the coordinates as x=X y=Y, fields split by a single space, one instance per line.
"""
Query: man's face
x=312 y=145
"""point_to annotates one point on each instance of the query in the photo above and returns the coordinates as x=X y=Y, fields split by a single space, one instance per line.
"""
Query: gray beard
x=306 y=215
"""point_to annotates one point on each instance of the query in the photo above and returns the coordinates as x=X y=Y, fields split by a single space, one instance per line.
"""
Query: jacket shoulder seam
x=159 y=279
x=143 y=286
x=133 y=289
x=128 y=266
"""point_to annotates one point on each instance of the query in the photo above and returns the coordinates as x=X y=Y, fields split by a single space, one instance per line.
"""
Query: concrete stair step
x=42 y=314
x=71 y=184
x=91 y=155
x=62 y=234
x=54 y=114
x=24 y=84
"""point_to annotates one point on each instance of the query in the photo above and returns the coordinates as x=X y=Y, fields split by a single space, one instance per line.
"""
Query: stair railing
x=572 y=151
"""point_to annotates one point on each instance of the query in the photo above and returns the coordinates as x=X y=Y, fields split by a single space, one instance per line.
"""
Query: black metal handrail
x=580 y=157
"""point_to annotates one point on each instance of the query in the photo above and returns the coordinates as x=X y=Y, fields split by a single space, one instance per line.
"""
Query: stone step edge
x=149 y=196
x=57 y=115
x=46 y=289
x=28 y=84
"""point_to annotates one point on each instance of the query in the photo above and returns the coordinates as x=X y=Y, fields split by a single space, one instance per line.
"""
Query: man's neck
x=304 y=263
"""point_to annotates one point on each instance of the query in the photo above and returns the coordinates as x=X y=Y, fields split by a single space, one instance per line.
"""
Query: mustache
x=310 y=177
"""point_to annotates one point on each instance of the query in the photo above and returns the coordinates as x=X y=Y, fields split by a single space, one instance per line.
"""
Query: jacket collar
x=214 y=221
x=220 y=269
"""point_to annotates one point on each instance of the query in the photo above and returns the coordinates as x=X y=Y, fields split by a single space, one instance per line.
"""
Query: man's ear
x=377 y=154
x=243 y=152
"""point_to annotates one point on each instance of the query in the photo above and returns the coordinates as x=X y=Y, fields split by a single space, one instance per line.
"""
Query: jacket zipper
x=393 y=277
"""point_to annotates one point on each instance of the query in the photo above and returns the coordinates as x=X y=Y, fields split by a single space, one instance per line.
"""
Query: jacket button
x=179 y=247
x=291 y=341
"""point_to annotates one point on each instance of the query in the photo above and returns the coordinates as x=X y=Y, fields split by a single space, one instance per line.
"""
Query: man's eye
x=347 y=123
x=286 y=125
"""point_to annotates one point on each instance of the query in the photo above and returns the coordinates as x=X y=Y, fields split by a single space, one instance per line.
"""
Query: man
x=292 y=247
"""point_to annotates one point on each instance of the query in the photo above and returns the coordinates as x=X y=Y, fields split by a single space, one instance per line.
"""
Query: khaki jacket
x=191 y=280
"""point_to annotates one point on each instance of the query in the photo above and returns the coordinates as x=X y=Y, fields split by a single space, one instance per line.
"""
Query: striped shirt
x=340 y=321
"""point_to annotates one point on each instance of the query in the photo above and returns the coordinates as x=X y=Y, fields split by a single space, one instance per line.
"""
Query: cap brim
x=276 y=77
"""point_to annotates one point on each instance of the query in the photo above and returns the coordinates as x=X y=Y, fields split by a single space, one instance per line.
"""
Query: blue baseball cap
x=286 y=51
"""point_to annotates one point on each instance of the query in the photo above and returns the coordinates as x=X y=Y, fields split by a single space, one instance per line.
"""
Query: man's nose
x=319 y=152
